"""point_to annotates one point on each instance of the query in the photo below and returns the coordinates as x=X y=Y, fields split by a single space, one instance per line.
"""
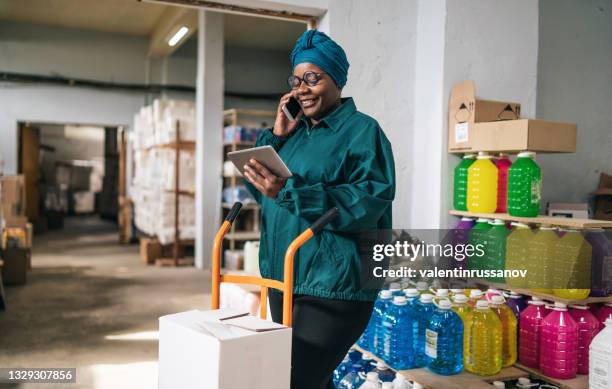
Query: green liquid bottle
x=524 y=186
x=495 y=240
x=460 y=182
x=477 y=236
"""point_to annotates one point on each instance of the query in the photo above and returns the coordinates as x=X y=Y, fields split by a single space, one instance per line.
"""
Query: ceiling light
x=178 y=36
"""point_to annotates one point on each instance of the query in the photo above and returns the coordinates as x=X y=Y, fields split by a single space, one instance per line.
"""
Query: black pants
x=323 y=331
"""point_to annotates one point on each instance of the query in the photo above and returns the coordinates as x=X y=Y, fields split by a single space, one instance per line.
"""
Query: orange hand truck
x=285 y=286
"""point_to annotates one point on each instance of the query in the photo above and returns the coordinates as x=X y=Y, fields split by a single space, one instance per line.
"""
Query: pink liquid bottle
x=559 y=344
x=588 y=327
x=530 y=324
x=503 y=164
x=604 y=313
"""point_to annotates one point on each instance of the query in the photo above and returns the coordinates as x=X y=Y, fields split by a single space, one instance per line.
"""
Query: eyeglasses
x=310 y=78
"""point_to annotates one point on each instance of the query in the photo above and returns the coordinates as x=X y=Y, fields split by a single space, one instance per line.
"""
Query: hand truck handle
x=327 y=217
x=233 y=213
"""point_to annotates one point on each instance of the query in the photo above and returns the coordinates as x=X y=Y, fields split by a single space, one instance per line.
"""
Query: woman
x=340 y=158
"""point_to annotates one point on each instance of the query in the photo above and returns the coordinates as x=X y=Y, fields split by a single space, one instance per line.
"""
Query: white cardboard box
x=203 y=350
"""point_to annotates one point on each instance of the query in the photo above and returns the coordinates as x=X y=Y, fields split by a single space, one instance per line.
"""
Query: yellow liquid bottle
x=517 y=253
x=509 y=330
x=461 y=307
x=482 y=342
x=482 y=185
x=573 y=255
x=542 y=258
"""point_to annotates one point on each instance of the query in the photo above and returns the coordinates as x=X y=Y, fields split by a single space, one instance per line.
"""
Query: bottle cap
x=469 y=156
x=482 y=304
x=381 y=366
x=372 y=376
x=497 y=300
x=386 y=294
x=475 y=293
x=394 y=286
x=519 y=225
x=411 y=292
x=560 y=306
x=499 y=385
x=483 y=220
x=427 y=298
x=608 y=305
x=536 y=301
x=442 y=293
x=546 y=227
x=399 y=300
x=460 y=298
x=513 y=295
x=467 y=219
x=367 y=357
x=526 y=154
x=387 y=385
x=422 y=285
x=457 y=291
x=581 y=307
x=497 y=222
x=524 y=381
x=444 y=304
x=483 y=155
x=416 y=385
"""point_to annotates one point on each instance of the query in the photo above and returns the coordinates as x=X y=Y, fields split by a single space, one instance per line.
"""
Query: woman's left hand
x=263 y=179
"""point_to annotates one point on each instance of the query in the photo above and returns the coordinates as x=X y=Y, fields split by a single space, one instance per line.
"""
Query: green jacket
x=344 y=161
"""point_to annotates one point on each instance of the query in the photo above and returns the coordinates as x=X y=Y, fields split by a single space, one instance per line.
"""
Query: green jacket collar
x=335 y=119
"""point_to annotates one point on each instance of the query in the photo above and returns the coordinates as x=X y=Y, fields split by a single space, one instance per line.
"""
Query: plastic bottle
x=482 y=185
x=477 y=237
x=604 y=313
x=602 y=252
x=600 y=359
x=499 y=385
x=397 y=335
x=559 y=344
x=371 y=381
x=524 y=186
x=400 y=382
x=525 y=383
x=509 y=330
x=354 y=354
x=444 y=341
x=503 y=165
x=396 y=289
x=495 y=248
x=422 y=287
x=460 y=182
x=475 y=296
x=423 y=311
x=369 y=340
x=367 y=363
x=341 y=370
x=572 y=264
x=517 y=251
x=529 y=333
x=461 y=307
x=455 y=292
x=384 y=373
x=460 y=238
x=482 y=345
x=541 y=254
x=516 y=303
x=442 y=294
x=353 y=379
x=492 y=292
x=588 y=327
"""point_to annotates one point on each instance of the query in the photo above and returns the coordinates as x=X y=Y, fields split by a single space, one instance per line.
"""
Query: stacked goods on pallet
x=155 y=153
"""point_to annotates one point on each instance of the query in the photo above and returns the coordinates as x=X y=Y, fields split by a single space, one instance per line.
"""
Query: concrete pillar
x=209 y=142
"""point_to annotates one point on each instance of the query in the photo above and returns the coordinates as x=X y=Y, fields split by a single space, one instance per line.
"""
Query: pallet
x=151 y=251
x=163 y=262
x=580 y=382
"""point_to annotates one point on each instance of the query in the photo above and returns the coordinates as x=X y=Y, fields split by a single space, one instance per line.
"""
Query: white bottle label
x=461 y=132
x=600 y=367
x=431 y=343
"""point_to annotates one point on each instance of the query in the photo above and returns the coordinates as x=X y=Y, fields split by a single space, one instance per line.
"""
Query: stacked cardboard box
x=156 y=124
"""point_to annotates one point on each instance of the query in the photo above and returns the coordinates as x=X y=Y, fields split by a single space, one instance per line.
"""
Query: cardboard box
x=203 y=350
x=569 y=210
x=524 y=134
x=150 y=250
x=464 y=110
x=603 y=198
x=13 y=201
x=14 y=271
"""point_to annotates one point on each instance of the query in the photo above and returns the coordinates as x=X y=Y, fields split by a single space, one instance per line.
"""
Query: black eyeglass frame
x=303 y=79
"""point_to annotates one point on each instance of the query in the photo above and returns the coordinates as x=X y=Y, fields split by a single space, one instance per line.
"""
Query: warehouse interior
x=116 y=117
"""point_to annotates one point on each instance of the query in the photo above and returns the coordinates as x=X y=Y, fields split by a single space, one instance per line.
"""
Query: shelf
x=580 y=382
x=463 y=380
x=181 y=145
x=181 y=192
x=243 y=235
x=244 y=206
x=545 y=296
x=542 y=219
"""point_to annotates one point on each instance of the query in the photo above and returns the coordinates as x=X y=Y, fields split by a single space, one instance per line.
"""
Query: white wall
x=380 y=44
x=575 y=85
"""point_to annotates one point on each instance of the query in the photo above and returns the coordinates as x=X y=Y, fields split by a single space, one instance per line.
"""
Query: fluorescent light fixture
x=178 y=35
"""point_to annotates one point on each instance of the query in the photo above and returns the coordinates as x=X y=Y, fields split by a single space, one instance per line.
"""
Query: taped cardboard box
x=223 y=349
x=464 y=110
x=12 y=201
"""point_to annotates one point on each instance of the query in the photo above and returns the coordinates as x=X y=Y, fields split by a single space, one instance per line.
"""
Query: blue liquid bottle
x=341 y=370
x=384 y=373
x=423 y=311
x=444 y=340
x=369 y=338
x=397 y=335
x=353 y=379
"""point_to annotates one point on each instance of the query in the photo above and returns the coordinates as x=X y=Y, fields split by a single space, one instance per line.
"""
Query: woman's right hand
x=283 y=126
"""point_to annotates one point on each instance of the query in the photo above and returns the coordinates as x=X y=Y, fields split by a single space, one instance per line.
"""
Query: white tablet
x=266 y=155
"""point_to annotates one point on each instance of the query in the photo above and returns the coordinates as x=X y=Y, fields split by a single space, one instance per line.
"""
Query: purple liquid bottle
x=516 y=302
x=602 y=257
x=460 y=237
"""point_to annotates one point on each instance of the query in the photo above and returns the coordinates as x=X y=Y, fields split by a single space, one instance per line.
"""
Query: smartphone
x=292 y=109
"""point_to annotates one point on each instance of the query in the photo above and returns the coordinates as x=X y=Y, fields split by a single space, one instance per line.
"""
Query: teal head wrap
x=317 y=48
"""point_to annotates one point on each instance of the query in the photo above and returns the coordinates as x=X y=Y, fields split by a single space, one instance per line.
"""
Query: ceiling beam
x=167 y=25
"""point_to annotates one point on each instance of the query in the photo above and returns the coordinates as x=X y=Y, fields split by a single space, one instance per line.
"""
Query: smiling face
x=319 y=100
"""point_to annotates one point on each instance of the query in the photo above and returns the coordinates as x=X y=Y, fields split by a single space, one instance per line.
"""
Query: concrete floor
x=90 y=303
